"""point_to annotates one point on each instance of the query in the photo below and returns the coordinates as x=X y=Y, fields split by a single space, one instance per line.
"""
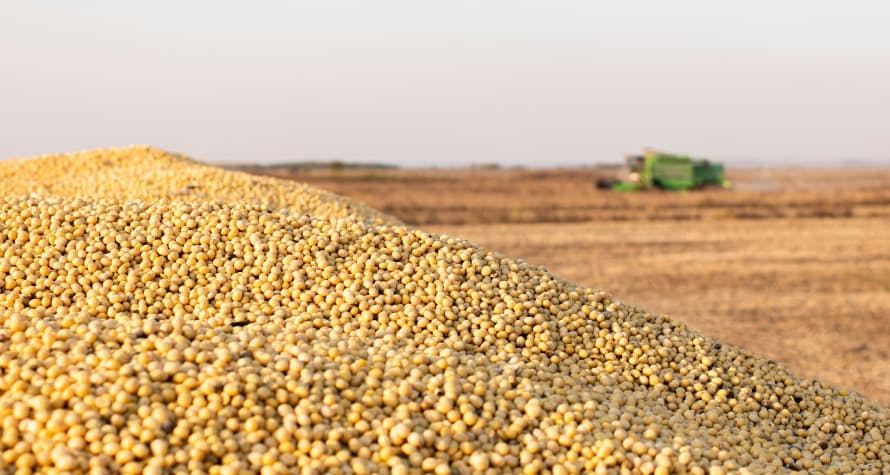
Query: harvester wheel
x=606 y=183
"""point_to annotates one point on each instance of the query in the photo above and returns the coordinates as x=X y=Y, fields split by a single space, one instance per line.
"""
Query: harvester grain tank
x=655 y=169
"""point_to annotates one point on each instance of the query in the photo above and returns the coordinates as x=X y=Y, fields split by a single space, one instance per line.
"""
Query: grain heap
x=176 y=336
x=144 y=173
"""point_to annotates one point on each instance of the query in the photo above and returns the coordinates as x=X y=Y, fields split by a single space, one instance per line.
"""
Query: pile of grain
x=275 y=326
x=147 y=174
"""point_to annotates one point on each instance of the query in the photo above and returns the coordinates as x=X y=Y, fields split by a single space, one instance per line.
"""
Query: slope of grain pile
x=145 y=173
x=175 y=336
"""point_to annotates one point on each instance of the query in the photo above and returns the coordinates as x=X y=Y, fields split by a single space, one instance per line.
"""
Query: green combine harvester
x=667 y=171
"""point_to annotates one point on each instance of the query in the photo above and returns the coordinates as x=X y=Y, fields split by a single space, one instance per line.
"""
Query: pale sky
x=447 y=83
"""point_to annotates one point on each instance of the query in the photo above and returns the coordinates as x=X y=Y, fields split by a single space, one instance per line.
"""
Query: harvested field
x=793 y=264
x=468 y=196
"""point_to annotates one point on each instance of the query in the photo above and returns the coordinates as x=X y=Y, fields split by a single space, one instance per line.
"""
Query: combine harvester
x=655 y=169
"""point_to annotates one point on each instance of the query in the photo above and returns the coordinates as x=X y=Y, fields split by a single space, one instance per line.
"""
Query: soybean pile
x=148 y=174
x=162 y=316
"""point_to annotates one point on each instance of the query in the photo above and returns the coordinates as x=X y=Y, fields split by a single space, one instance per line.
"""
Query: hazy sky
x=448 y=82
